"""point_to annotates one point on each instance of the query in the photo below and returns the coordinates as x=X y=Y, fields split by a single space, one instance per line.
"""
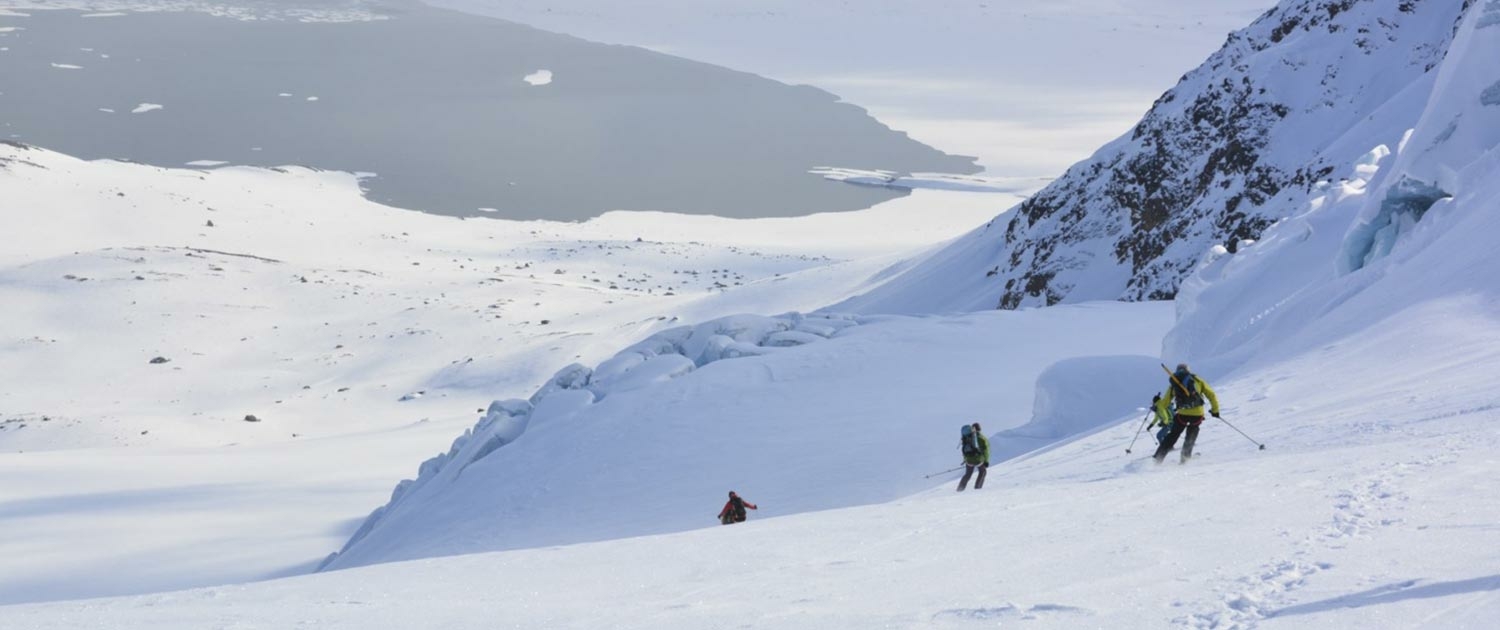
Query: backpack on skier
x=1185 y=394
x=734 y=510
x=967 y=442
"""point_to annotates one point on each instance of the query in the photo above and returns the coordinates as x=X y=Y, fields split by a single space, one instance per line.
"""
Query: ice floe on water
x=540 y=77
x=942 y=181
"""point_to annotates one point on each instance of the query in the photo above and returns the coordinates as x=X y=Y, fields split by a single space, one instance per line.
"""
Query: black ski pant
x=969 y=470
x=1180 y=424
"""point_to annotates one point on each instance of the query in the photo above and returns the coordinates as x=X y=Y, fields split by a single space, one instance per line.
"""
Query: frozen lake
x=452 y=112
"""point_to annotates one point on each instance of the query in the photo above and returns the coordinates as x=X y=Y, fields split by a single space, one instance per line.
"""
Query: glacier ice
x=1402 y=208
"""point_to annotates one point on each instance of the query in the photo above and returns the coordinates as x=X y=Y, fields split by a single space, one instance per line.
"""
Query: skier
x=976 y=450
x=734 y=509
x=1185 y=394
x=1162 y=420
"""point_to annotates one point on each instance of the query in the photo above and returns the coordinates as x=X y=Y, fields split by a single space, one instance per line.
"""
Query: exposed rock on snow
x=1237 y=145
x=1401 y=229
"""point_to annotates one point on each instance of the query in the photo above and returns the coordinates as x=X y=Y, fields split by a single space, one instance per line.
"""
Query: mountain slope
x=1408 y=225
x=1452 y=108
x=1234 y=147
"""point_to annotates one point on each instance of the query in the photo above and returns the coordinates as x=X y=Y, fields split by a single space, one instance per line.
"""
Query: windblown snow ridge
x=662 y=357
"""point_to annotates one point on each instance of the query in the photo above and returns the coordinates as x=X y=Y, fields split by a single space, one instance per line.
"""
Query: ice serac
x=660 y=358
x=1234 y=147
x=1406 y=231
x=1078 y=396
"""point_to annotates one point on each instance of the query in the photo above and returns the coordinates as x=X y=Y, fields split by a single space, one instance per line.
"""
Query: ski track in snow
x=1361 y=510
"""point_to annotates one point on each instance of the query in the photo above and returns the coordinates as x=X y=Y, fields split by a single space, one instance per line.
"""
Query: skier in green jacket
x=976 y=450
x=1185 y=396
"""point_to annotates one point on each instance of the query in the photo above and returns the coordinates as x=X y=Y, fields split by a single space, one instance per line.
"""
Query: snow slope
x=1373 y=507
x=854 y=410
x=362 y=338
x=1237 y=145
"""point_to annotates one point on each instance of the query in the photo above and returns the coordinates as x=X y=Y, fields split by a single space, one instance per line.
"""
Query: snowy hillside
x=1376 y=516
x=850 y=408
x=1356 y=337
x=1237 y=145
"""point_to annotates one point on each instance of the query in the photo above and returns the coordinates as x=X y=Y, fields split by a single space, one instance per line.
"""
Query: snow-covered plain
x=283 y=295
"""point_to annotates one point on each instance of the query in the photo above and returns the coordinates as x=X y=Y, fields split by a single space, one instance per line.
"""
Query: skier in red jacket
x=734 y=509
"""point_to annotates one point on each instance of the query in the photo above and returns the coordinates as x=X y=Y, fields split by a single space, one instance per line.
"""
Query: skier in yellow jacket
x=1185 y=397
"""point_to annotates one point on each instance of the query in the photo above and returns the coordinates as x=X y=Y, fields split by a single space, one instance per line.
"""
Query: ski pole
x=1154 y=399
x=960 y=467
x=1138 y=431
x=1237 y=429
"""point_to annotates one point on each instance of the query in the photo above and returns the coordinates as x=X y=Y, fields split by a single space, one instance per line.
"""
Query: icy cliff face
x=1237 y=145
